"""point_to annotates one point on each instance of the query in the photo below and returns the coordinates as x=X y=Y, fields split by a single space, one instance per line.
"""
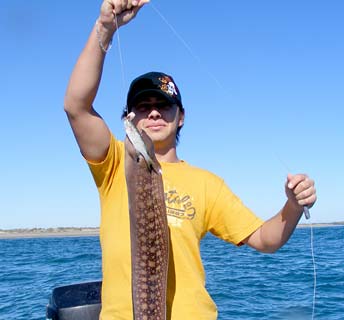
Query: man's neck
x=168 y=155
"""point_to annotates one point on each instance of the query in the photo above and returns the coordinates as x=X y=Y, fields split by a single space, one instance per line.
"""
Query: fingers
x=142 y=2
x=121 y=6
x=302 y=189
x=125 y=16
x=120 y=12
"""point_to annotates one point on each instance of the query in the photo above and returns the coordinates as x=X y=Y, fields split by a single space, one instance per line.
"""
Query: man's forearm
x=85 y=78
x=275 y=232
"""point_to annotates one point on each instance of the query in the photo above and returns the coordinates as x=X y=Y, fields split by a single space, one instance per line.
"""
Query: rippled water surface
x=243 y=283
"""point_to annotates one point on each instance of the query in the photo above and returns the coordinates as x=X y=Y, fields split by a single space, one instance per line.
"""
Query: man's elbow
x=73 y=108
x=263 y=243
x=269 y=249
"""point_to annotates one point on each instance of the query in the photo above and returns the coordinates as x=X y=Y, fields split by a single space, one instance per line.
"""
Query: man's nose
x=154 y=113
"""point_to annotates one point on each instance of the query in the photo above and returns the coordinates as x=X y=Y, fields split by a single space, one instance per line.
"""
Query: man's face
x=159 y=119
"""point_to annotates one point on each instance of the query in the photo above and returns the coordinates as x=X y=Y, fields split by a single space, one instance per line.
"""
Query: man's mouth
x=155 y=126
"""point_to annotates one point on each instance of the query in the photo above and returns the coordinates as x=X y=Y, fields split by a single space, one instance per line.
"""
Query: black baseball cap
x=154 y=82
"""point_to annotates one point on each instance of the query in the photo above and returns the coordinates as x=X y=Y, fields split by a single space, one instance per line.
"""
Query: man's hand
x=116 y=13
x=300 y=190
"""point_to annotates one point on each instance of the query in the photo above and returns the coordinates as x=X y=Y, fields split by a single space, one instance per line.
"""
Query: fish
x=149 y=233
x=136 y=140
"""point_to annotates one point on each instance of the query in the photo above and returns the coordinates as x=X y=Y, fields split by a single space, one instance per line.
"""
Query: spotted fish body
x=148 y=231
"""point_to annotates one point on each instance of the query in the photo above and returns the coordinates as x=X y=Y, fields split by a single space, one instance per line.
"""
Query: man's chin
x=155 y=136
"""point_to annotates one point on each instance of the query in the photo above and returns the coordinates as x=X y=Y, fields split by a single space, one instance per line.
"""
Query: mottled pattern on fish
x=148 y=233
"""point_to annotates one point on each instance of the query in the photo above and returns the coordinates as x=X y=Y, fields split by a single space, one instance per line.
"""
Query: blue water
x=243 y=283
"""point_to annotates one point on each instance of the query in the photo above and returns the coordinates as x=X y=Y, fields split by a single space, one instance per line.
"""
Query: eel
x=149 y=235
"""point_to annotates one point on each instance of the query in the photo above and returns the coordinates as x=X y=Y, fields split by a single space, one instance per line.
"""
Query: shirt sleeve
x=228 y=218
x=103 y=172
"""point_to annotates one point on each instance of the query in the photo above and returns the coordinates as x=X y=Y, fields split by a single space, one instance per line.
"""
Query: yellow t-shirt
x=197 y=201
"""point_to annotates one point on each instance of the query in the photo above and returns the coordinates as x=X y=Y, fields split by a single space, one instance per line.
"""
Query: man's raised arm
x=90 y=130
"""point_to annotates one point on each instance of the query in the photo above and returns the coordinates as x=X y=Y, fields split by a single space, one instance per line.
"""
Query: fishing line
x=305 y=209
x=186 y=45
x=120 y=52
x=314 y=271
x=307 y=216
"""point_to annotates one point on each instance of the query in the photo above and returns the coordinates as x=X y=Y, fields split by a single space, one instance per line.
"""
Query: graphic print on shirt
x=179 y=206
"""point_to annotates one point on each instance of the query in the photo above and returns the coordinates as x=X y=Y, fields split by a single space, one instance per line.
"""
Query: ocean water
x=243 y=283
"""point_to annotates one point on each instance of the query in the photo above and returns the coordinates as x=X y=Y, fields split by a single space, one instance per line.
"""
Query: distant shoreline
x=48 y=233
x=92 y=231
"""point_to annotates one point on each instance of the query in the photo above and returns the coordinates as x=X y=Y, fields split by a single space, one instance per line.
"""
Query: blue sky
x=262 y=84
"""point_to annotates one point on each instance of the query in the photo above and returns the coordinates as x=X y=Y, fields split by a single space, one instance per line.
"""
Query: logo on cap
x=167 y=86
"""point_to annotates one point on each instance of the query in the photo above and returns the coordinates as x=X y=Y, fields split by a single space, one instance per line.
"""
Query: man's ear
x=181 y=119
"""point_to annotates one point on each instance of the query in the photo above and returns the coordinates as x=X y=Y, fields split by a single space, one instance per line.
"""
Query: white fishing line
x=120 y=53
x=306 y=211
x=307 y=216
x=181 y=39
x=314 y=271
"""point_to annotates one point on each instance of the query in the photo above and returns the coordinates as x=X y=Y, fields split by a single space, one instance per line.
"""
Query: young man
x=196 y=200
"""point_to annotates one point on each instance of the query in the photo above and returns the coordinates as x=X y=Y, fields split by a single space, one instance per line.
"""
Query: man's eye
x=147 y=107
x=164 y=107
x=142 y=108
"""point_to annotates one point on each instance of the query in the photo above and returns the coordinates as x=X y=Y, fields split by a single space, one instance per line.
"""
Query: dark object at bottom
x=80 y=301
